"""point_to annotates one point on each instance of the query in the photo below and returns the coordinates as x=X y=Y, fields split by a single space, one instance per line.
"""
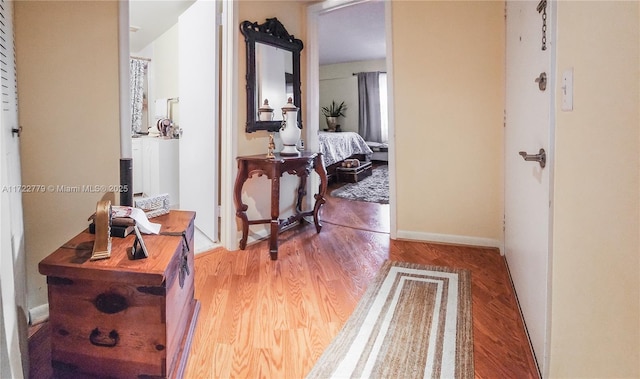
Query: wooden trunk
x=332 y=170
x=123 y=318
x=354 y=174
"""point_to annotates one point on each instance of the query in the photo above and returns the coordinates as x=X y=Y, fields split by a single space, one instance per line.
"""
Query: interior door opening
x=176 y=151
x=341 y=33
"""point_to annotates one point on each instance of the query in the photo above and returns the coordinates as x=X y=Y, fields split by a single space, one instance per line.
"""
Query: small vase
x=290 y=132
x=265 y=112
x=332 y=122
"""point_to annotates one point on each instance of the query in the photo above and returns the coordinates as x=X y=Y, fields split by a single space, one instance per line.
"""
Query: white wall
x=163 y=71
x=165 y=63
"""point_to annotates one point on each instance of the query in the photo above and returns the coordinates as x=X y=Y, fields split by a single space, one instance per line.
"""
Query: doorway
x=181 y=160
x=347 y=38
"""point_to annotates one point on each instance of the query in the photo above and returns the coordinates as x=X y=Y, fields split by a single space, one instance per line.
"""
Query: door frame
x=228 y=107
x=229 y=234
x=553 y=80
x=14 y=316
x=313 y=94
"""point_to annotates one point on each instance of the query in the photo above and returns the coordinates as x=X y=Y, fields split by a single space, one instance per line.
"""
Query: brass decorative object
x=102 y=220
x=272 y=146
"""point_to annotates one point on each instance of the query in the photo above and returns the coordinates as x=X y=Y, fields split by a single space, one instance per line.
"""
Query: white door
x=529 y=120
x=12 y=256
x=198 y=88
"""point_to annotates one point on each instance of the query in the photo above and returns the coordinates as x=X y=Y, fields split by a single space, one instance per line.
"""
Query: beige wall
x=449 y=169
x=448 y=72
x=256 y=194
x=449 y=78
x=595 y=284
x=67 y=59
x=292 y=15
x=338 y=83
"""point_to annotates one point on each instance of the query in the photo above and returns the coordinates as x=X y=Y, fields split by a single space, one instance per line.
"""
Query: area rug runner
x=374 y=188
x=413 y=321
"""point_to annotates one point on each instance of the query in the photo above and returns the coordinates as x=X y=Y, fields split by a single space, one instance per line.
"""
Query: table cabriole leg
x=241 y=209
x=275 y=214
x=322 y=190
x=301 y=193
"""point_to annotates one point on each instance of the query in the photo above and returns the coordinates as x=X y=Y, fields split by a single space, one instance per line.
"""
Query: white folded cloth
x=139 y=216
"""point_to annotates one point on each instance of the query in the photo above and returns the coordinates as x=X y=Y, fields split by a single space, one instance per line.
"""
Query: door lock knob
x=542 y=81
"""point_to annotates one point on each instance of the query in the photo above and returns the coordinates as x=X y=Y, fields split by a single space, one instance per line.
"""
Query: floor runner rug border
x=362 y=345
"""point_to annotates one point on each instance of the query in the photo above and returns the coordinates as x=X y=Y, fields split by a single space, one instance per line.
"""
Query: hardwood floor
x=355 y=214
x=272 y=319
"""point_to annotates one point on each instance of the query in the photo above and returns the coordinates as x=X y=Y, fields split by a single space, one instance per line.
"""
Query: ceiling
x=153 y=18
x=347 y=34
x=352 y=33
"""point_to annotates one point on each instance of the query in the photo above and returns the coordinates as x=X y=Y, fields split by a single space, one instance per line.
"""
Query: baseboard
x=39 y=314
x=451 y=239
x=206 y=248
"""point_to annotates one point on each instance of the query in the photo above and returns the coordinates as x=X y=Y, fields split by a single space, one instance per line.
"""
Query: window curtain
x=384 y=108
x=369 y=124
x=137 y=71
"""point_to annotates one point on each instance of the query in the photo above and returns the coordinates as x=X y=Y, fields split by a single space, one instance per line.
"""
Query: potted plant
x=332 y=113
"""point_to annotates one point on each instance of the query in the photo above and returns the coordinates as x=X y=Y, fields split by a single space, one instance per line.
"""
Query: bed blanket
x=336 y=147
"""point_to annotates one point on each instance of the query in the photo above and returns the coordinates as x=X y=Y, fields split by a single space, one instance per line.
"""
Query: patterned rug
x=413 y=321
x=374 y=188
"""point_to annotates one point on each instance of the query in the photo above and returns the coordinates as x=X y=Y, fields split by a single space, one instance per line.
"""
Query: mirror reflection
x=274 y=80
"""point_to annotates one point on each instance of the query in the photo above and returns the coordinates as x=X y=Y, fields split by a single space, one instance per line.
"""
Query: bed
x=380 y=151
x=338 y=146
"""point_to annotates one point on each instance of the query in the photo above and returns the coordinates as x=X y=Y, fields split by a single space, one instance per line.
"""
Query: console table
x=274 y=168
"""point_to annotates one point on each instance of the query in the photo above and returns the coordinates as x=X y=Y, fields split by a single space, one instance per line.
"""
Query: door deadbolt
x=542 y=81
x=541 y=157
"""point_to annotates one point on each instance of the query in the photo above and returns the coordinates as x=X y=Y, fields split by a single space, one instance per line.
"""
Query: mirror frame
x=273 y=33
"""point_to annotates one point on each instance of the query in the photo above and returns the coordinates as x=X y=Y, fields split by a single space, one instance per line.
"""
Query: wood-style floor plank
x=273 y=319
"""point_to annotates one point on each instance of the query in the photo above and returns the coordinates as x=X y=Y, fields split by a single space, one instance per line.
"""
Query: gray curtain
x=137 y=70
x=369 y=124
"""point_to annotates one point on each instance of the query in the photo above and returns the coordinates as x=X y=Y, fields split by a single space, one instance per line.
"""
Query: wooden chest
x=122 y=318
x=354 y=174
